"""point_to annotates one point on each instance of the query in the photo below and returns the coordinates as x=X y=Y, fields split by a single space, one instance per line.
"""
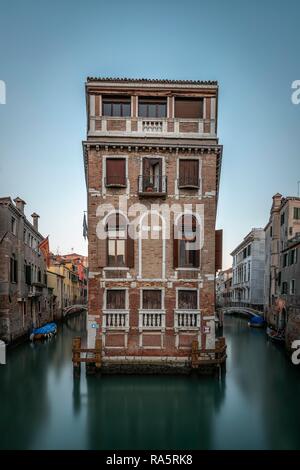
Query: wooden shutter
x=188 y=172
x=187 y=299
x=175 y=247
x=197 y=259
x=151 y=299
x=115 y=299
x=129 y=251
x=188 y=108
x=218 y=249
x=116 y=171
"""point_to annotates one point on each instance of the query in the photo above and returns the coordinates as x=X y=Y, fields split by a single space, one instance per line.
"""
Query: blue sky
x=48 y=48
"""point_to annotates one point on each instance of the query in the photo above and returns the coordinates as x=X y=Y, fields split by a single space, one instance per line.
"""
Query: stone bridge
x=72 y=309
x=242 y=309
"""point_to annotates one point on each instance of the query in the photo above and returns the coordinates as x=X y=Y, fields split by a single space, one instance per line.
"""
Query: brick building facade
x=152 y=166
x=282 y=266
x=25 y=300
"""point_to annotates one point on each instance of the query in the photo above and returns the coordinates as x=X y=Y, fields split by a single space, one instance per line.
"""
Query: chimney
x=35 y=221
x=20 y=204
x=276 y=201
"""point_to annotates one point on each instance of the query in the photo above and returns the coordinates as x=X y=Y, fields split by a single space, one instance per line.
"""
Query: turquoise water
x=255 y=406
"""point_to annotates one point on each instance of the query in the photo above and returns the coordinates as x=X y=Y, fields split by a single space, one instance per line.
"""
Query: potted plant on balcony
x=149 y=187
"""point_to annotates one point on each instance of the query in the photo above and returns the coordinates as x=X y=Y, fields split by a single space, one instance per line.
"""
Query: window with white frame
x=116 y=299
x=187 y=299
x=151 y=299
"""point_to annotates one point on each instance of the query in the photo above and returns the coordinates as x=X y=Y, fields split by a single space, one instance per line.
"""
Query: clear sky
x=49 y=47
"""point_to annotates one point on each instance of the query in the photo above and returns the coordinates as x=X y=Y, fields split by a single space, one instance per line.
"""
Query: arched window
x=116 y=240
x=186 y=242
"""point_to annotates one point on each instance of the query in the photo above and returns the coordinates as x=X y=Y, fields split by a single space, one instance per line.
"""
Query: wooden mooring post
x=194 y=357
x=98 y=347
x=76 y=346
x=93 y=357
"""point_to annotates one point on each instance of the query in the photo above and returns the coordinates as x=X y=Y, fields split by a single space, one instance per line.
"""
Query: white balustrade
x=187 y=320
x=115 y=320
x=152 y=126
x=151 y=320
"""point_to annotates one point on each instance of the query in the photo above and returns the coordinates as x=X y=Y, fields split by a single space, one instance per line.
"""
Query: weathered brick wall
x=15 y=319
x=152 y=254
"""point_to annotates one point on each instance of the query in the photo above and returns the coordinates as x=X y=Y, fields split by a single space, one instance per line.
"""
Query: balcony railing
x=115 y=320
x=187 y=320
x=151 y=320
x=116 y=181
x=173 y=127
x=152 y=185
x=153 y=125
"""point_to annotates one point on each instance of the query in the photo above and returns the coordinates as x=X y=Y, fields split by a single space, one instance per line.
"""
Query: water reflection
x=255 y=406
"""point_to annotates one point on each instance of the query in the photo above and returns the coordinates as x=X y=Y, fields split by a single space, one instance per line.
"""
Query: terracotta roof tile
x=152 y=80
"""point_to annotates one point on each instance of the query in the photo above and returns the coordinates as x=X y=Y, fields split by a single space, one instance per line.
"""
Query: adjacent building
x=282 y=264
x=152 y=166
x=224 y=288
x=248 y=270
x=67 y=277
x=25 y=300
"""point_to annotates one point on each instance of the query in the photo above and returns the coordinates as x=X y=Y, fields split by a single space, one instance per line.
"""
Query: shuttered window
x=186 y=247
x=115 y=299
x=187 y=299
x=151 y=299
x=188 y=173
x=189 y=108
x=116 y=172
x=120 y=245
x=218 y=249
x=116 y=240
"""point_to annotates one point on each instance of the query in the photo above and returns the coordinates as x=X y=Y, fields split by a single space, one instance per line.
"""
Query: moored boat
x=44 y=332
x=275 y=335
x=256 y=322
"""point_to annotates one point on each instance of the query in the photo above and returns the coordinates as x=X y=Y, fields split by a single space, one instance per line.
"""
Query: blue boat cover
x=46 y=329
x=257 y=320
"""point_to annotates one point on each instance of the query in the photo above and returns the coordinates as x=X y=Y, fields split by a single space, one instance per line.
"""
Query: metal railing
x=152 y=184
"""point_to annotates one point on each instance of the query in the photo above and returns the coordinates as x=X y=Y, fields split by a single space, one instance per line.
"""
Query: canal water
x=255 y=406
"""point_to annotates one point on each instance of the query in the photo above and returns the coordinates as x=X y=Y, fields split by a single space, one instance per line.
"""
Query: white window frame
x=198 y=298
x=162 y=309
x=121 y=310
x=104 y=158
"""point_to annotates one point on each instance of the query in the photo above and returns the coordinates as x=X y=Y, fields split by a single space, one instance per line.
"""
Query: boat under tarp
x=46 y=331
x=256 y=322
